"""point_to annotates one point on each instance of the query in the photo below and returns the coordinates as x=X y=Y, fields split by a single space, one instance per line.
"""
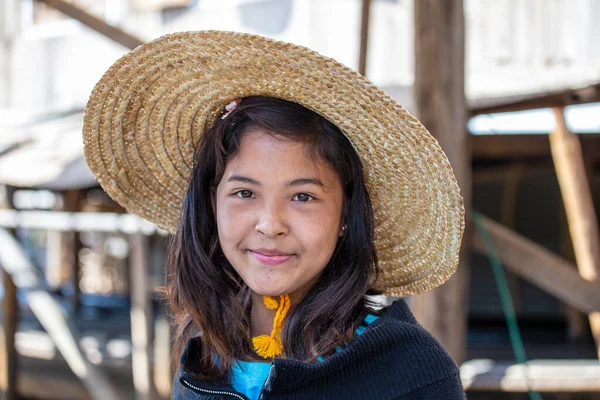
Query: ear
x=344 y=225
x=343 y=230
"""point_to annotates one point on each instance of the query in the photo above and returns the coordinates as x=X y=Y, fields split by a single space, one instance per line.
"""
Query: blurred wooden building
x=100 y=266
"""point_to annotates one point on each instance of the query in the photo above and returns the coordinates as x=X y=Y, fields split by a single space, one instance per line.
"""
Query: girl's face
x=278 y=214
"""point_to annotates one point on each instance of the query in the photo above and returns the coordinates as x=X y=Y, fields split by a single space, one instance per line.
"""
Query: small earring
x=344 y=227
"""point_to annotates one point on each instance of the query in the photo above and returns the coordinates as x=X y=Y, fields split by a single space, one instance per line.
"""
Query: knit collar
x=191 y=355
x=394 y=342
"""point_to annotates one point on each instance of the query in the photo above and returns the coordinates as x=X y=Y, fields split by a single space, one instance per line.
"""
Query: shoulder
x=405 y=352
x=394 y=358
x=397 y=332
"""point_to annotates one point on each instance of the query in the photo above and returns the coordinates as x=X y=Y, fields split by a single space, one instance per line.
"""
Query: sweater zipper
x=201 y=390
x=262 y=394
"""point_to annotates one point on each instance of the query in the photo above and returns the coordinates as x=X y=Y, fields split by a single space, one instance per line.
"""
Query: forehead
x=276 y=157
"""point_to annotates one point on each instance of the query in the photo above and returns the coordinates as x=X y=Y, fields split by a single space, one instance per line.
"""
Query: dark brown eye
x=244 y=194
x=303 y=197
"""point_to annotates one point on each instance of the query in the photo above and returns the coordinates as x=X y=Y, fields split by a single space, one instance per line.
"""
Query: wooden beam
x=540 y=266
x=563 y=98
x=556 y=376
x=52 y=384
x=41 y=361
x=48 y=311
x=141 y=318
x=579 y=206
x=489 y=147
x=97 y=24
x=498 y=172
x=364 y=36
x=51 y=379
x=440 y=105
x=492 y=147
x=77 y=222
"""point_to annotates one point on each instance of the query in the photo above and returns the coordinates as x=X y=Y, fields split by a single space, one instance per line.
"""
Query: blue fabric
x=248 y=377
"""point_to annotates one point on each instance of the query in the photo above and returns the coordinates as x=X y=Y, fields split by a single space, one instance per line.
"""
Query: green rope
x=507 y=304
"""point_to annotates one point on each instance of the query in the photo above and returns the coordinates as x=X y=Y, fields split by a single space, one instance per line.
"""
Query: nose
x=271 y=222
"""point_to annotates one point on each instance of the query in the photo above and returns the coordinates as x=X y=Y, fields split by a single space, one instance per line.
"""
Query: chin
x=269 y=291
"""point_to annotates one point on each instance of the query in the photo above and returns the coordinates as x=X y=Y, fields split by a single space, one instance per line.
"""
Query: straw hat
x=146 y=115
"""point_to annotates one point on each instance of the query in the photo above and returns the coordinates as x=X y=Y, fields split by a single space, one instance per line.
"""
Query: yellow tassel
x=270 y=346
x=266 y=346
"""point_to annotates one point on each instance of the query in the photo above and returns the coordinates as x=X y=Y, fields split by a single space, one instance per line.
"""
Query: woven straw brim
x=147 y=114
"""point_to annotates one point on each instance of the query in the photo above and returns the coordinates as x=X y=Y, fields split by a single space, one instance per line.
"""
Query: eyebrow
x=244 y=179
x=305 y=181
x=295 y=182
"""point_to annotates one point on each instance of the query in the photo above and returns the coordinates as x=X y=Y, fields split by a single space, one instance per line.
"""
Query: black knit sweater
x=395 y=358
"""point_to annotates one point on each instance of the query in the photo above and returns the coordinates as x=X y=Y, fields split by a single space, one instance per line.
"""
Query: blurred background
x=511 y=89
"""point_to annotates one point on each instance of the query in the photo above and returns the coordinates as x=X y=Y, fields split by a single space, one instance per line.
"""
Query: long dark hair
x=207 y=295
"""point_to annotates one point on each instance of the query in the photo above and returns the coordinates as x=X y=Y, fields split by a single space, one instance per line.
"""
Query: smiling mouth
x=269 y=257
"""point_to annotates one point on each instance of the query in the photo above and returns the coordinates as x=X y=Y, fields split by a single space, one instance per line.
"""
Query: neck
x=261 y=318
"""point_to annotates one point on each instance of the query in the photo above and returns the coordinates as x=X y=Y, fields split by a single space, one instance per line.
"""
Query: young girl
x=295 y=191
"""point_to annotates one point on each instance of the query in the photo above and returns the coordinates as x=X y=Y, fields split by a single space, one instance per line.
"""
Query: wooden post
x=63 y=247
x=9 y=29
x=364 y=36
x=579 y=206
x=162 y=356
x=141 y=317
x=509 y=210
x=576 y=320
x=441 y=106
x=10 y=319
x=72 y=203
x=8 y=352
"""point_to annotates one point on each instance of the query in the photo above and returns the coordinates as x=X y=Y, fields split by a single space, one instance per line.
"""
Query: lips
x=270 y=256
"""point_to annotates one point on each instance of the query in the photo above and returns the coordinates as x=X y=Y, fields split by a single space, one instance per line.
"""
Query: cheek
x=227 y=225
x=319 y=237
x=233 y=224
